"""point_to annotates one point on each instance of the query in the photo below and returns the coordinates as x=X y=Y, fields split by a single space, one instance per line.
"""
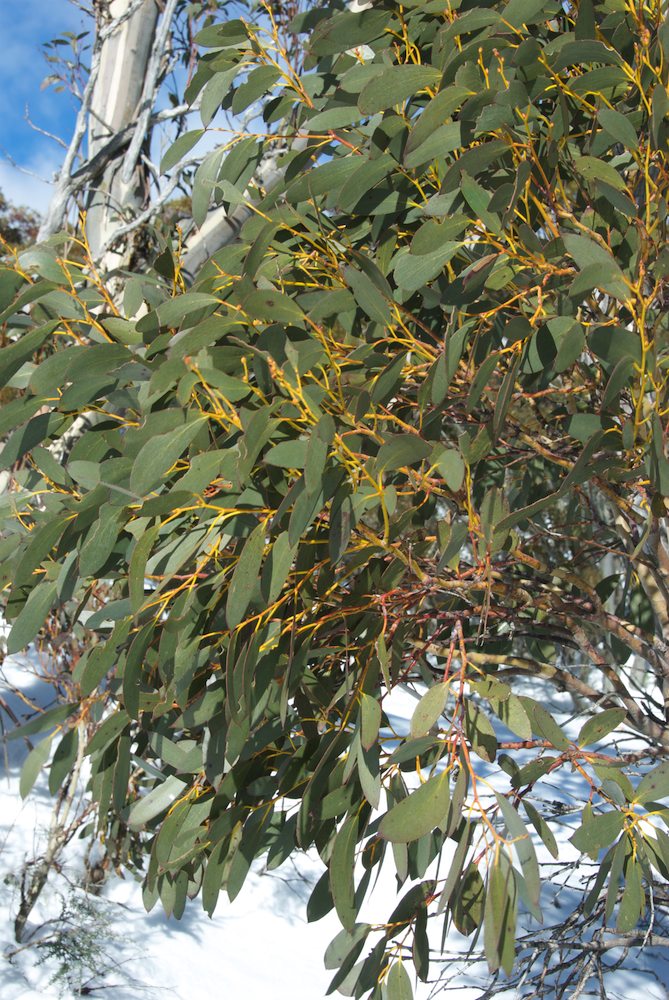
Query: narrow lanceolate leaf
x=273 y=306
x=32 y=616
x=245 y=576
x=137 y=568
x=41 y=722
x=394 y=86
x=179 y=149
x=370 y=720
x=419 y=813
x=600 y=726
x=518 y=12
x=398 y=984
x=542 y=828
x=428 y=710
x=545 y=725
x=155 y=802
x=32 y=766
x=401 y=450
x=277 y=567
x=499 y=929
x=157 y=457
x=597 y=832
x=100 y=541
x=342 y=865
x=654 y=785
x=368 y=296
x=522 y=842
x=450 y=464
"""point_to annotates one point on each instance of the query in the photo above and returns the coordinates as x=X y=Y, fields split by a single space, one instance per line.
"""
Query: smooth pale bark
x=125 y=55
x=124 y=37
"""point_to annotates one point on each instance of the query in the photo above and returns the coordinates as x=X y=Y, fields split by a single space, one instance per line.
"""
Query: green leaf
x=259 y=82
x=504 y=396
x=513 y=714
x=597 y=265
x=542 y=828
x=480 y=732
x=346 y=30
x=273 y=306
x=545 y=725
x=524 y=848
x=179 y=311
x=600 y=725
x=394 y=86
x=401 y=450
x=179 y=149
x=468 y=901
x=499 y=927
x=368 y=296
x=654 y=785
x=157 y=456
x=370 y=720
x=428 y=710
x=615 y=783
x=100 y=541
x=288 y=454
x=31 y=617
x=344 y=943
x=398 y=984
x=215 y=91
x=614 y=344
x=632 y=902
x=590 y=168
x=245 y=576
x=277 y=567
x=43 y=720
x=451 y=466
x=137 y=567
x=619 y=127
x=585 y=51
x=63 y=759
x=415 y=271
x=419 y=813
x=32 y=766
x=203 y=184
x=519 y=12
x=341 y=867
x=155 y=802
x=439 y=143
x=597 y=832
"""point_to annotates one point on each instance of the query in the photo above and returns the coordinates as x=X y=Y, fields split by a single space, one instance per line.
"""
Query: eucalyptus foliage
x=407 y=430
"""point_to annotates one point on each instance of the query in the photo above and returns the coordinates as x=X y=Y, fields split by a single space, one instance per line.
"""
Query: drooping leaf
x=245 y=576
x=600 y=725
x=428 y=710
x=419 y=813
x=394 y=86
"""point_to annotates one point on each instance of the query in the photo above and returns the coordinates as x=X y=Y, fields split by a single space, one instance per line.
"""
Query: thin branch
x=58 y=207
x=146 y=216
x=42 y=131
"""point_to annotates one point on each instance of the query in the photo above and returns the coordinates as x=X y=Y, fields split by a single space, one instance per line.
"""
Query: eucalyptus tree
x=405 y=431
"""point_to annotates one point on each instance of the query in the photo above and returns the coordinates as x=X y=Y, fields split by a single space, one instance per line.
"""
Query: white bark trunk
x=115 y=104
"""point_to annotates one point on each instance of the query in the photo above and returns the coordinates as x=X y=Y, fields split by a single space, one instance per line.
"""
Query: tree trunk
x=115 y=105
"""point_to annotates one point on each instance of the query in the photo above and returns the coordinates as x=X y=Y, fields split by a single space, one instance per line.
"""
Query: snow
x=260 y=946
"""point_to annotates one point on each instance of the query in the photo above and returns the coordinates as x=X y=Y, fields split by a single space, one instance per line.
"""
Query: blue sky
x=24 y=26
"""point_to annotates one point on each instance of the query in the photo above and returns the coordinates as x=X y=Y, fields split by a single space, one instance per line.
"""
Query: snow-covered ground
x=261 y=946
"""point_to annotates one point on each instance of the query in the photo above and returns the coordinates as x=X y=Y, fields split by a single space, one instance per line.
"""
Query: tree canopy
x=406 y=430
